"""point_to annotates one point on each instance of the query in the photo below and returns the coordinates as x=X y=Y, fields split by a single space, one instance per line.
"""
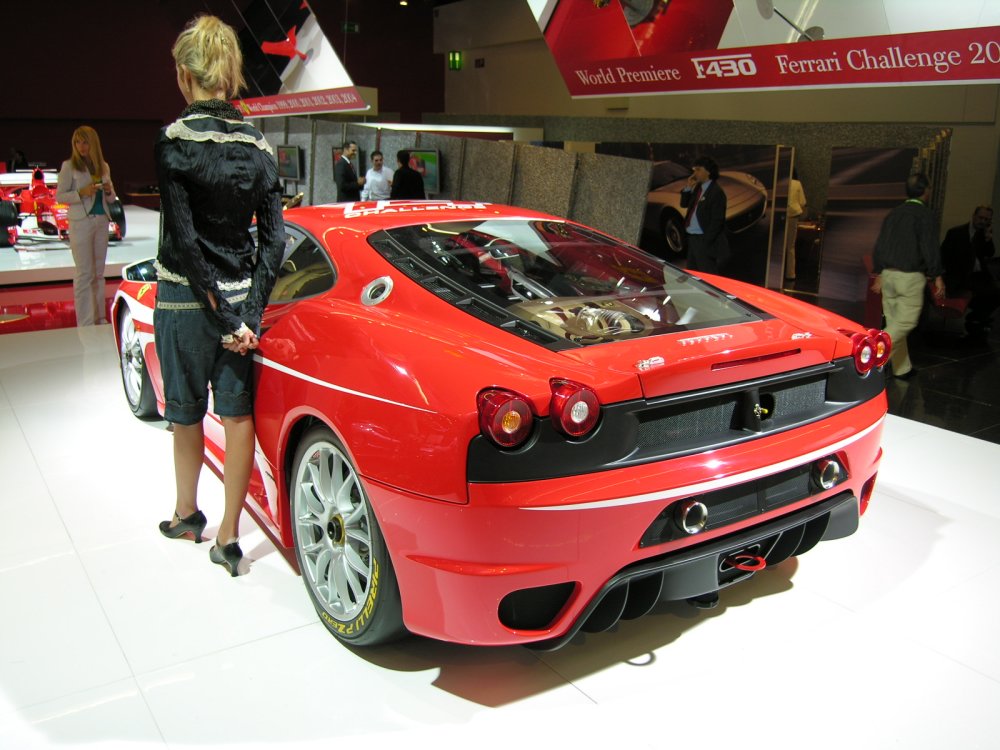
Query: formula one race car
x=29 y=209
x=488 y=425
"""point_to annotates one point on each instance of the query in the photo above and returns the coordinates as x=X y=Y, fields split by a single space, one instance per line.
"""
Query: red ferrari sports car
x=488 y=425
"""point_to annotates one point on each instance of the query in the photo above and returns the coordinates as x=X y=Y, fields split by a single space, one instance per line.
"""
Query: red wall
x=108 y=64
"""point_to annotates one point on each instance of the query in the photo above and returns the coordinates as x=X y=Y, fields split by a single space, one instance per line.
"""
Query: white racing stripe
x=332 y=386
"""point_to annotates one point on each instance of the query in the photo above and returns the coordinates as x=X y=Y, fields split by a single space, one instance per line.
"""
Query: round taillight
x=504 y=417
x=864 y=352
x=883 y=346
x=574 y=408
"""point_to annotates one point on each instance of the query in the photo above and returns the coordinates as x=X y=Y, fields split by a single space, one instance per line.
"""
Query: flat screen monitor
x=428 y=163
x=289 y=162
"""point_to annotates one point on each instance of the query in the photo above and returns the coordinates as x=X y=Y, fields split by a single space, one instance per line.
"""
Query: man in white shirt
x=378 y=180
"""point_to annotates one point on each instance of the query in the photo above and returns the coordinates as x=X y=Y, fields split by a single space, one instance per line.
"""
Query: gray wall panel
x=326 y=136
x=488 y=170
x=300 y=133
x=610 y=194
x=543 y=179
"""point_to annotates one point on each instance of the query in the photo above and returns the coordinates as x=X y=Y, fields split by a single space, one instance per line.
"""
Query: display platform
x=114 y=637
x=50 y=261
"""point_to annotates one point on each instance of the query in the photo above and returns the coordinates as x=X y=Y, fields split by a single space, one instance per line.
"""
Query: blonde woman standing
x=85 y=186
x=216 y=172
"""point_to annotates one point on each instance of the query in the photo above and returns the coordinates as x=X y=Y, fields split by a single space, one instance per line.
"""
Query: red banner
x=942 y=57
x=326 y=100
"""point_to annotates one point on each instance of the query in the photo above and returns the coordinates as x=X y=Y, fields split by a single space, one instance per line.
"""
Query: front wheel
x=135 y=377
x=8 y=220
x=339 y=547
x=673 y=233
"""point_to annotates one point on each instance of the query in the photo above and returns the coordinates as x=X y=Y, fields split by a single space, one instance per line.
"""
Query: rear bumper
x=705 y=569
x=577 y=549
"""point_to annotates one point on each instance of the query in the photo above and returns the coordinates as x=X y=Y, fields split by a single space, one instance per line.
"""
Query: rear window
x=576 y=285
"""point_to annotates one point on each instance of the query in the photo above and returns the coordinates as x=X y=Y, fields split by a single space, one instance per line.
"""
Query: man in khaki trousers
x=906 y=257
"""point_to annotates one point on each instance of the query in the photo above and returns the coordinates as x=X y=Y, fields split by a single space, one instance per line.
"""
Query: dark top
x=907 y=241
x=711 y=214
x=346 y=178
x=215 y=172
x=407 y=184
x=959 y=252
x=710 y=211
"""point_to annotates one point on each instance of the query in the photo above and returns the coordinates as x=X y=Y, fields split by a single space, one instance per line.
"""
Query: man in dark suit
x=406 y=182
x=966 y=254
x=346 y=177
x=705 y=222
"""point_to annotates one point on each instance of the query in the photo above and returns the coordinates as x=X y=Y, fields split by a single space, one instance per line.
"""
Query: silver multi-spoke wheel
x=331 y=517
x=339 y=546
x=135 y=378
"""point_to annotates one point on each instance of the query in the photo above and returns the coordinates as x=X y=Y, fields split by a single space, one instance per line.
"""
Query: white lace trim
x=163 y=274
x=180 y=130
x=224 y=286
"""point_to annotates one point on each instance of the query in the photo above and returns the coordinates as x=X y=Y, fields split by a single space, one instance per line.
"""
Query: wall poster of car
x=745 y=174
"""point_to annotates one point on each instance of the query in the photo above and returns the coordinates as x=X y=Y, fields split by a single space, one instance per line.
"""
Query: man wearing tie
x=705 y=222
x=348 y=183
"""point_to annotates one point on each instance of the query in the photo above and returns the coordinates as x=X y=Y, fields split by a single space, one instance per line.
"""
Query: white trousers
x=88 y=241
x=791 y=233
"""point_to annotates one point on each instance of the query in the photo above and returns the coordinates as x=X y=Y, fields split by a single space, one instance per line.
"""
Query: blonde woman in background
x=85 y=186
x=215 y=173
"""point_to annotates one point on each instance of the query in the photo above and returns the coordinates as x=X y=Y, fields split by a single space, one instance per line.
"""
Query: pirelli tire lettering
x=357 y=625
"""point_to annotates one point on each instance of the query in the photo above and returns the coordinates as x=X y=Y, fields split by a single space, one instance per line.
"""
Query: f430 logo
x=725 y=66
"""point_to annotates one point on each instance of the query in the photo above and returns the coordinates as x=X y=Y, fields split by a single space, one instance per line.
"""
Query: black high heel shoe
x=227 y=555
x=195 y=524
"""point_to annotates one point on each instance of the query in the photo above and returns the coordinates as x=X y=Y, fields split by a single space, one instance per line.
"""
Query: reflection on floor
x=115 y=636
x=957 y=385
x=36 y=276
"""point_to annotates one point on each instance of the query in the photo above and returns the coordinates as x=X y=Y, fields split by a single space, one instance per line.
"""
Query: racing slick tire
x=117 y=215
x=8 y=218
x=339 y=547
x=135 y=377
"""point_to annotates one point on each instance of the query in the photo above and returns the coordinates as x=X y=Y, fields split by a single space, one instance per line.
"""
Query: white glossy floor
x=112 y=636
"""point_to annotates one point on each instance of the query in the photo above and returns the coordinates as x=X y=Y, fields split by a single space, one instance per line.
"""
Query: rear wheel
x=118 y=217
x=339 y=547
x=135 y=377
